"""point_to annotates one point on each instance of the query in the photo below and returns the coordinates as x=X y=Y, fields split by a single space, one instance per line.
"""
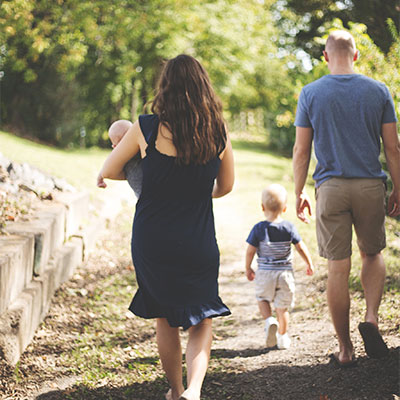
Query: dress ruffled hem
x=178 y=316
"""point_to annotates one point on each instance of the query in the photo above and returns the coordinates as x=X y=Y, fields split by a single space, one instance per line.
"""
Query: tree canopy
x=71 y=64
x=71 y=67
x=309 y=18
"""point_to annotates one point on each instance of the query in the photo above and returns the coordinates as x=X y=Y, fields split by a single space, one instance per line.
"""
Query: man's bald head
x=341 y=43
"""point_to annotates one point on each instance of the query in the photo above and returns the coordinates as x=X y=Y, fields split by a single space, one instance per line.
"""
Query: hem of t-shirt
x=275 y=268
x=321 y=181
x=302 y=125
x=391 y=122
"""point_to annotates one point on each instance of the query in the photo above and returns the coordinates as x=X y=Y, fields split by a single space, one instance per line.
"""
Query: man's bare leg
x=373 y=280
x=339 y=305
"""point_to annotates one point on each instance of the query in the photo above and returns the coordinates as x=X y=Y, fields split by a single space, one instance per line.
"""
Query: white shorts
x=275 y=286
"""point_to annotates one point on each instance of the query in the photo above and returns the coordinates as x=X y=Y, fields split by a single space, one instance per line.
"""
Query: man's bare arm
x=301 y=162
x=391 y=146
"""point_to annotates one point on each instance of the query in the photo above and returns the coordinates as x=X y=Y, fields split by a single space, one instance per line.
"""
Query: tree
x=308 y=18
x=72 y=64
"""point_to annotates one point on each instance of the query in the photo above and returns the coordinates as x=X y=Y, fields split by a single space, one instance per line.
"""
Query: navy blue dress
x=174 y=248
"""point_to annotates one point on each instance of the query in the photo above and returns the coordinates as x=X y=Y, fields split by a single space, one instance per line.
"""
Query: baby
x=132 y=169
x=271 y=239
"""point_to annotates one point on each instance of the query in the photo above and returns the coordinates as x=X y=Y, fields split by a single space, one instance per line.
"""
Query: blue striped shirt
x=273 y=241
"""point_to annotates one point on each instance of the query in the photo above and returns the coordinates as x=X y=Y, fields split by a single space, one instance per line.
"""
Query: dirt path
x=304 y=370
x=90 y=348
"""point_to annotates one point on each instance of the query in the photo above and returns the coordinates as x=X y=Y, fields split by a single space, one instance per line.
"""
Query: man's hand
x=303 y=203
x=394 y=204
x=100 y=182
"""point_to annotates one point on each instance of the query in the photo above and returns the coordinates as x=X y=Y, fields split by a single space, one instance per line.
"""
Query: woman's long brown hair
x=188 y=106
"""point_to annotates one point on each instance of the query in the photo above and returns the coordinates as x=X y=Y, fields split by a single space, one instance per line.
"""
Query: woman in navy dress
x=186 y=160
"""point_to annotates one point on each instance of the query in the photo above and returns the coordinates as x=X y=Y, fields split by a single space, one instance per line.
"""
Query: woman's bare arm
x=226 y=174
x=113 y=167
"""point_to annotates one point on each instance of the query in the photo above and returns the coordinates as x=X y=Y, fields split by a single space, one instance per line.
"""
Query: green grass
x=79 y=167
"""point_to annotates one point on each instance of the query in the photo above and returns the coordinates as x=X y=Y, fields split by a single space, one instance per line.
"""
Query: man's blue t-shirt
x=346 y=113
x=273 y=241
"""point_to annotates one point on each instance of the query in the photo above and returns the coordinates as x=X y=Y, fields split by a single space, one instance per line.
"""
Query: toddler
x=271 y=240
x=132 y=169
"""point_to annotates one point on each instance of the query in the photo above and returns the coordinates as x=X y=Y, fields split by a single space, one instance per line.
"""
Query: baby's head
x=117 y=130
x=274 y=199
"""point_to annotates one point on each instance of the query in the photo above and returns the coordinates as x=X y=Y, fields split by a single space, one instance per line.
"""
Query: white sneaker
x=271 y=327
x=283 y=341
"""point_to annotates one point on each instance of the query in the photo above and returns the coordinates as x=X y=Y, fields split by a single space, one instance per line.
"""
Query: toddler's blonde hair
x=274 y=198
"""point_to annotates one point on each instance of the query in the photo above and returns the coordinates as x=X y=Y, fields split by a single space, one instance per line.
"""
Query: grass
x=79 y=167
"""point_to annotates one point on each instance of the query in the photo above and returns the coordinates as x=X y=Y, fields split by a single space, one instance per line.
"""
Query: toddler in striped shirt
x=271 y=239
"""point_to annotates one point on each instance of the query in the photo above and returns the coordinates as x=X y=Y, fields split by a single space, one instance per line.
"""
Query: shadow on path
x=369 y=380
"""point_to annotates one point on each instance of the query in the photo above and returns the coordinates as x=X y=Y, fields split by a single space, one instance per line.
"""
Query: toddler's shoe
x=283 y=341
x=271 y=327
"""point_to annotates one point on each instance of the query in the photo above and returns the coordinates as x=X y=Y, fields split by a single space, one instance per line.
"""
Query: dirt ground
x=241 y=368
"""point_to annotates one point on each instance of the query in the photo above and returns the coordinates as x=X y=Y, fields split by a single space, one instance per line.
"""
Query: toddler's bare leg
x=283 y=319
x=265 y=308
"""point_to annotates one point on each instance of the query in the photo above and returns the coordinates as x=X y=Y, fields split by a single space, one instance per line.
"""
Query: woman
x=186 y=160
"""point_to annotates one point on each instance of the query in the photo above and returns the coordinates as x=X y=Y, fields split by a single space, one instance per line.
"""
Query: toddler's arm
x=306 y=256
x=251 y=250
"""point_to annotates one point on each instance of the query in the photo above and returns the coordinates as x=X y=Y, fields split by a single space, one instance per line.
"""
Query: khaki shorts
x=342 y=203
x=275 y=286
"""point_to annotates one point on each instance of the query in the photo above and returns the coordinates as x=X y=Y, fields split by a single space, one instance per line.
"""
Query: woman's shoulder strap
x=148 y=124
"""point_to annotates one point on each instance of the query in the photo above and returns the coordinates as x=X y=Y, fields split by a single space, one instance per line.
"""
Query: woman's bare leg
x=197 y=357
x=170 y=350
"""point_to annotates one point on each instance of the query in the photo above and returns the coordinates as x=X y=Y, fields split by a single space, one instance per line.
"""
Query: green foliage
x=72 y=64
x=308 y=19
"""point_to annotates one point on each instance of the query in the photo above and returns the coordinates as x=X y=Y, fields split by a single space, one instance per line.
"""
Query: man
x=346 y=114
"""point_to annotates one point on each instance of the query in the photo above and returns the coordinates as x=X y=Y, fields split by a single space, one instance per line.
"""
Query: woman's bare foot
x=188 y=395
x=170 y=395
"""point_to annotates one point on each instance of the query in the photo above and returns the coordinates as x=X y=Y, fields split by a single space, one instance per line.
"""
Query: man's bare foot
x=335 y=358
x=345 y=354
